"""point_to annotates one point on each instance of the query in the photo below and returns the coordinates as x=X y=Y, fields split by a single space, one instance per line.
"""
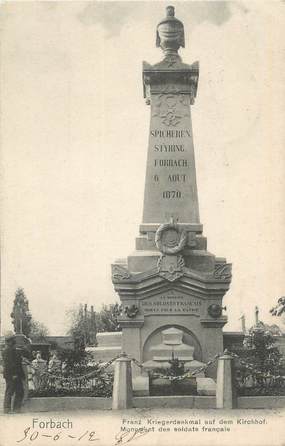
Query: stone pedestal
x=225 y=390
x=109 y=346
x=172 y=347
x=122 y=389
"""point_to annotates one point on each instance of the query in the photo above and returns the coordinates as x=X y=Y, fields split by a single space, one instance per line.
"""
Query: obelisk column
x=170 y=273
x=170 y=88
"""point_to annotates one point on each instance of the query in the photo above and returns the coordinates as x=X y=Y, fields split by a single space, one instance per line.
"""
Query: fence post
x=225 y=393
x=25 y=381
x=122 y=388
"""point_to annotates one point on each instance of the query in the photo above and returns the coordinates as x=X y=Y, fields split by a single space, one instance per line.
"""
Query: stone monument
x=171 y=283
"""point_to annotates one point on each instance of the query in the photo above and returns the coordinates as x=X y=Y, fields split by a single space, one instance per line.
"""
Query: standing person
x=54 y=368
x=54 y=365
x=38 y=370
x=13 y=373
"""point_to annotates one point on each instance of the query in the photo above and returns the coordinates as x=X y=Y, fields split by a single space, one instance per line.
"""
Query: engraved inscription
x=157 y=133
x=170 y=163
x=171 y=194
x=171 y=304
x=167 y=150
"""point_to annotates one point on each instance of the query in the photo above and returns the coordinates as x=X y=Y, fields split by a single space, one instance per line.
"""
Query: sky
x=74 y=137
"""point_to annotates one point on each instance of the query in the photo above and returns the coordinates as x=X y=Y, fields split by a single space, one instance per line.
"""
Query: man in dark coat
x=13 y=373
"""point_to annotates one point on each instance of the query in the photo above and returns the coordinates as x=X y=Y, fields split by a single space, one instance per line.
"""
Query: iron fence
x=96 y=381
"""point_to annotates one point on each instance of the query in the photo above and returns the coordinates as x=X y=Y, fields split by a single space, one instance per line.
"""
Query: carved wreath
x=131 y=311
x=166 y=249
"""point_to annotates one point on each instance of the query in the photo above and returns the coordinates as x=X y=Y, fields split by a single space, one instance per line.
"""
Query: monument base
x=206 y=386
x=141 y=385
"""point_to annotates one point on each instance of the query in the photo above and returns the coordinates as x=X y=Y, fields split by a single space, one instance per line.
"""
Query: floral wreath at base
x=165 y=249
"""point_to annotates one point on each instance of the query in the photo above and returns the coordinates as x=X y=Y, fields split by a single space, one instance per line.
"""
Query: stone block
x=164 y=401
x=141 y=385
x=201 y=242
x=261 y=402
x=206 y=386
x=104 y=354
x=151 y=364
x=143 y=261
x=225 y=391
x=172 y=336
x=161 y=382
x=187 y=402
x=191 y=240
x=200 y=261
x=122 y=388
x=205 y=402
x=65 y=403
x=109 y=339
x=172 y=345
x=151 y=227
x=144 y=243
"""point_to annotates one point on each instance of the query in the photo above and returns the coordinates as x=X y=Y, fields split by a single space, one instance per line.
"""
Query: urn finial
x=170 y=33
x=170 y=11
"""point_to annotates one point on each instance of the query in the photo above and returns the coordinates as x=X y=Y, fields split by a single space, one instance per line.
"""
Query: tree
x=273 y=329
x=38 y=329
x=83 y=323
x=21 y=316
x=260 y=363
x=264 y=353
x=279 y=309
x=77 y=327
x=107 y=318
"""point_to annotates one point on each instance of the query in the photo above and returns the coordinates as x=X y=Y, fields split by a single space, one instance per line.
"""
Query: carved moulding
x=120 y=273
x=157 y=77
x=214 y=323
x=223 y=271
x=171 y=108
x=171 y=267
x=154 y=281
